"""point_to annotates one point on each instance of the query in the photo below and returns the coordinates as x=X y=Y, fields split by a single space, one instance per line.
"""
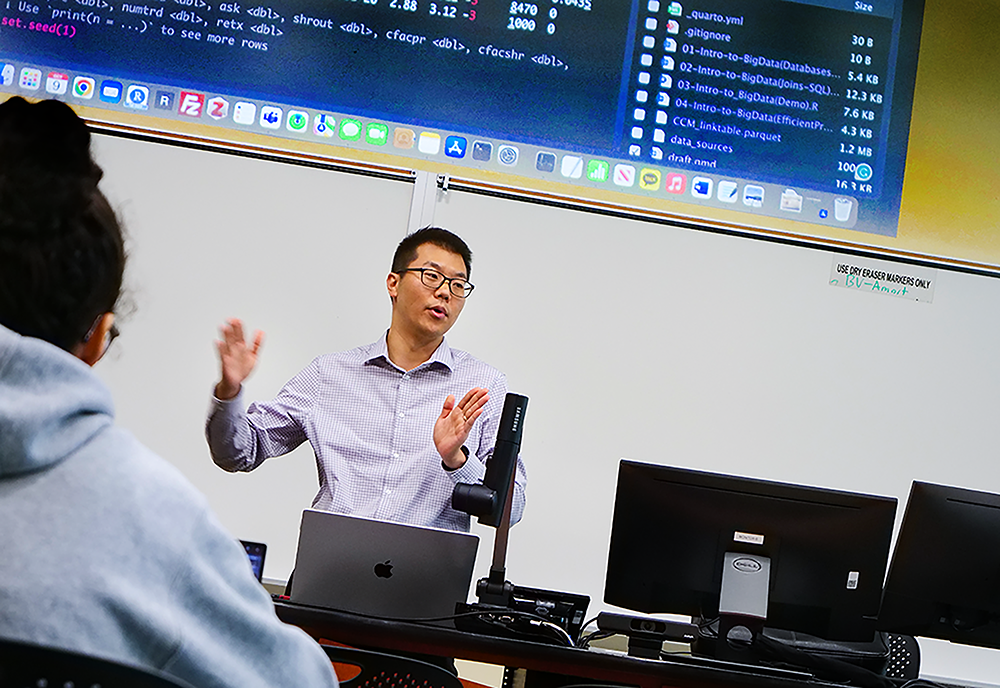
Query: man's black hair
x=406 y=252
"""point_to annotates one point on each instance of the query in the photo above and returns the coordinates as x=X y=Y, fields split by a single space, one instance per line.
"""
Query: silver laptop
x=379 y=568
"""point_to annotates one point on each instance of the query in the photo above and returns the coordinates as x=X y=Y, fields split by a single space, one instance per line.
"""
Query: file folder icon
x=791 y=201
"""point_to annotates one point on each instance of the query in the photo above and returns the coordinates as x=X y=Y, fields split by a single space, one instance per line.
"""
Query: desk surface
x=593 y=666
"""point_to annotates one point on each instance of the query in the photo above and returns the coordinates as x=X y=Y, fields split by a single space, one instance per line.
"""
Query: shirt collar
x=442 y=356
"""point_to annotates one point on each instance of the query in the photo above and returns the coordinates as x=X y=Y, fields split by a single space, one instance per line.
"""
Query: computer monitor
x=749 y=552
x=944 y=579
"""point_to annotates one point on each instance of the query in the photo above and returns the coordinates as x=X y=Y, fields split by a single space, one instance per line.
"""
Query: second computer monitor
x=944 y=580
x=823 y=552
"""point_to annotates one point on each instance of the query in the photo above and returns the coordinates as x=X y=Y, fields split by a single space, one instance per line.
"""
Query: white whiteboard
x=630 y=339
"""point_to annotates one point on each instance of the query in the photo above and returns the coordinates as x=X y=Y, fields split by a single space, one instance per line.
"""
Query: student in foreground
x=105 y=548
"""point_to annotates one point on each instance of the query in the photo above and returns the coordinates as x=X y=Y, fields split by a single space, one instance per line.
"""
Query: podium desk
x=588 y=665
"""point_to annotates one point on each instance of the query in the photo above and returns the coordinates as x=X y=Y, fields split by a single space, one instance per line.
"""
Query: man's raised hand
x=236 y=357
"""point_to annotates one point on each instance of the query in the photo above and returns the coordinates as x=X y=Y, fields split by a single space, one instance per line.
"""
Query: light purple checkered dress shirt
x=371 y=427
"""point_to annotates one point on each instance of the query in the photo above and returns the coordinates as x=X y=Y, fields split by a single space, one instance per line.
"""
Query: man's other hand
x=453 y=425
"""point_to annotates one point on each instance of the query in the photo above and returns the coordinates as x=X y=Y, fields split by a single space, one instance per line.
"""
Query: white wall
x=630 y=339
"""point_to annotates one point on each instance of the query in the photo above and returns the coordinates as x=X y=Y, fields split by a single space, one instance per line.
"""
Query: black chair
x=26 y=665
x=379 y=670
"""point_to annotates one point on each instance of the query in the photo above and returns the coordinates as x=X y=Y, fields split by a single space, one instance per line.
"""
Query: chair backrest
x=26 y=665
x=904 y=656
x=379 y=670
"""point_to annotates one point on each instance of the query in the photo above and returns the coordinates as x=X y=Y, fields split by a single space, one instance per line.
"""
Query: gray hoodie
x=106 y=549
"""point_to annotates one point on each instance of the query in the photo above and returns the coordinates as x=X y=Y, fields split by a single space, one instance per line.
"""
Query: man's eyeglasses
x=434 y=279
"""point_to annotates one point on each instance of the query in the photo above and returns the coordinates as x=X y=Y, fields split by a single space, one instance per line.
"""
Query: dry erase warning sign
x=890 y=279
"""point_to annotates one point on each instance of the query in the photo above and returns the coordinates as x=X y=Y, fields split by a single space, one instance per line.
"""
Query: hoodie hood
x=51 y=404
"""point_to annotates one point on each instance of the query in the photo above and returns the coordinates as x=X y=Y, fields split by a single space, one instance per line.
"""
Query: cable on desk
x=585 y=640
x=823 y=666
x=538 y=626
x=540 y=623
x=705 y=629
x=554 y=629
x=778 y=653
x=589 y=621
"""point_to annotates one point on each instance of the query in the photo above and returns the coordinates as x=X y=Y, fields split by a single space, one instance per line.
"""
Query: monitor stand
x=742 y=605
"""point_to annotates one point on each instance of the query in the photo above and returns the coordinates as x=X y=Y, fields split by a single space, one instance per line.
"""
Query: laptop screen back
x=256 y=552
x=382 y=569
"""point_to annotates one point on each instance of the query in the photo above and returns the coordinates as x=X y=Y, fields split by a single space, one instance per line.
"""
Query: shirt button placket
x=393 y=467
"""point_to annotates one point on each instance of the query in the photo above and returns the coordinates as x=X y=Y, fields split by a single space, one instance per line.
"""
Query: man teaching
x=394 y=425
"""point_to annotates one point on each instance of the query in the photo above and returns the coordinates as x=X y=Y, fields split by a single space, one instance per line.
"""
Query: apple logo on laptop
x=384 y=570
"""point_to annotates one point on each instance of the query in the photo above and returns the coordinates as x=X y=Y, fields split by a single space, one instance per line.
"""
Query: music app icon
x=675 y=183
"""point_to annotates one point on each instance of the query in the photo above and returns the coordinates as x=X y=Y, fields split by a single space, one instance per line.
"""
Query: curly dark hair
x=407 y=249
x=62 y=254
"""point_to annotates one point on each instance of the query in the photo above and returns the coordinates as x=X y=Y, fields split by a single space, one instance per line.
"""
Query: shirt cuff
x=216 y=401
x=449 y=469
x=473 y=471
x=225 y=410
